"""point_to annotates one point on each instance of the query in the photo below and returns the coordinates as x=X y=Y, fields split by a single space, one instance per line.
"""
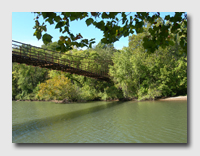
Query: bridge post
x=30 y=52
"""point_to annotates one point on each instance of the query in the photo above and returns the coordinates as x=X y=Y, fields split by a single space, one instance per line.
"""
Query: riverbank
x=178 y=98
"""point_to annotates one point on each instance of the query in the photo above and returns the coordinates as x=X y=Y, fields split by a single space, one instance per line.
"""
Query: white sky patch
x=33 y=42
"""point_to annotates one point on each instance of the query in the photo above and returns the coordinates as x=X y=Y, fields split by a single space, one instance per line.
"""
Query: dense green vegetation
x=135 y=73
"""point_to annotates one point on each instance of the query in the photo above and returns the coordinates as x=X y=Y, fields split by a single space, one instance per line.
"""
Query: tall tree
x=26 y=79
x=147 y=76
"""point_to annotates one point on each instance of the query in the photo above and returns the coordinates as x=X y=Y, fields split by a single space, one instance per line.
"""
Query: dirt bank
x=178 y=98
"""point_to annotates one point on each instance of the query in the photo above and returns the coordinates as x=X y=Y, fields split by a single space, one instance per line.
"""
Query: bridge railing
x=82 y=63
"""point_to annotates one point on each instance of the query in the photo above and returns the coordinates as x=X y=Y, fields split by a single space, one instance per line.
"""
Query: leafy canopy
x=113 y=28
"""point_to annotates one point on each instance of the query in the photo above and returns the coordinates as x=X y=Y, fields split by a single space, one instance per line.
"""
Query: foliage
x=111 y=93
x=15 y=89
x=25 y=79
x=88 y=93
x=148 y=76
x=114 y=27
x=135 y=72
x=105 y=51
x=59 y=87
x=51 y=46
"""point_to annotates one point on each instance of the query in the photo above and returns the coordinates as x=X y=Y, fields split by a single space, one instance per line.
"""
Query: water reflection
x=19 y=129
x=100 y=122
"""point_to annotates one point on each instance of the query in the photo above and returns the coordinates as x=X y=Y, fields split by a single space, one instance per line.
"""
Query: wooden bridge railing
x=99 y=67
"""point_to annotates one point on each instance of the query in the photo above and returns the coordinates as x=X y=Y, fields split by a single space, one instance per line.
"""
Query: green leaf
x=44 y=28
x=58 y=48
x=100 y=25
x=171 y=43
x=104 y=40
x=92 y=39
x=182 y=42
x=57 y=19
x=167 y=17
x=72 y=18
x=46 y=38
x=89 y=21
x=51 y=15
x=90 y=45
x=113 y=14
x=83 y=15
x=104 y=15
x=74 y=43
x=44 y=14
x=66 y=29
x=49 y=20
x=59 y=25
x=38 y=34
x=85 y=41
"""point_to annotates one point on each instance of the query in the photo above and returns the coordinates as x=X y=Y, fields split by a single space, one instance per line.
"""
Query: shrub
x=57 y=88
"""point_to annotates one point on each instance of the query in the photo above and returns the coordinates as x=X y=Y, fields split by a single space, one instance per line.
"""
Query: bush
x=57 y=88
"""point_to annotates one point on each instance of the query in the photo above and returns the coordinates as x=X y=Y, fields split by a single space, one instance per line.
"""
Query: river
x=100 y=122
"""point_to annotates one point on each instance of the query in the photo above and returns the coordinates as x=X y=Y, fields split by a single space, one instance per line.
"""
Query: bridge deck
x=31 y=55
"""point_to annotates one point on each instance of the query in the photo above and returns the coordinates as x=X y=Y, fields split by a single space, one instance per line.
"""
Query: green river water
x=100 y=122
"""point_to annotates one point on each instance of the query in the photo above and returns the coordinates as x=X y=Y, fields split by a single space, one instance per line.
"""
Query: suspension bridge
x=44 y=58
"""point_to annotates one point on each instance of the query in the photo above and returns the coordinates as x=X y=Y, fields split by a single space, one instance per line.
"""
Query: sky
x=23 y=23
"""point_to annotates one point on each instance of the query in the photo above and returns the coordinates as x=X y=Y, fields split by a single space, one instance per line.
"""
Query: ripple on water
x=126 y=122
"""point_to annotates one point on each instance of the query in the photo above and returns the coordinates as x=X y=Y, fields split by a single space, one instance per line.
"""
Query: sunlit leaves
x=59 y=87
x=25 y=80
x=38 y=34
x=160 y=72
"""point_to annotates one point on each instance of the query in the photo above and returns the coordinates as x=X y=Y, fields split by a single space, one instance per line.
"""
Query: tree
x=51 y=46
x=25 y=79
x=113 y=28
x=105 y=51
x=59 y=87
x=147 y=76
